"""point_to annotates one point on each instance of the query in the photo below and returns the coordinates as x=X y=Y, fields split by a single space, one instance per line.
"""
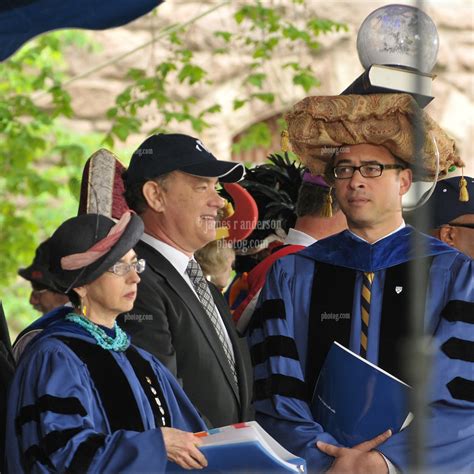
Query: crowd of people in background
x=143 y=339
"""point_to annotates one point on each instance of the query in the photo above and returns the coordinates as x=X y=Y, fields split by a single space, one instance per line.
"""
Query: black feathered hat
x=274 y=186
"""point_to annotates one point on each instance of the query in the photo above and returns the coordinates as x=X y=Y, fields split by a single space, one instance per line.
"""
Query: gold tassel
x=463 y=193
x=228 y=209
x=84 y=311
x=284 y=141
x=327 y=208
x=222 y=233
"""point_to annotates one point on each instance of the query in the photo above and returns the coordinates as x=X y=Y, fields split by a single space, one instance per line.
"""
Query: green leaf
x=293 y=33
x=266 y=97
x=124 y=98
x=135 y=74
x=306 y=80
x=221 y=51
x=293 y=65
x=239 y=16
x=258 y=134
x=238 y=103
x=186 y=55
x=225 y=35
x=175 y=38
x=74 y=186
x=191 y=73
x=108 y=140
x=256 y=79
x=214 y=109
x=320 y=25
x=165 y=68
x=112 y=112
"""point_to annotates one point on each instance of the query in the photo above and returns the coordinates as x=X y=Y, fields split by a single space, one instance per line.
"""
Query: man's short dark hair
x=134 y=193
x=312 y=199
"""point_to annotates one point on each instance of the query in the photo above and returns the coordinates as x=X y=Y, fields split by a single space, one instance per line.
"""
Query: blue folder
x=245 y=448
x=354 y=400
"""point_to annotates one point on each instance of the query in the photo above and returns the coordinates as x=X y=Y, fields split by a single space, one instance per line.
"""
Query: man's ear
x=448 y=235
x=406 y=178
x=154 y=196
x=81 y=291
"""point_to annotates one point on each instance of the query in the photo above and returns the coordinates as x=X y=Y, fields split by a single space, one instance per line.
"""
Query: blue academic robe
x=279 y=345
x=56 y=418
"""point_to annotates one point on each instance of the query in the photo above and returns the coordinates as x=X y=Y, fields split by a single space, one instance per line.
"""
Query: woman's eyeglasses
x=122 y=268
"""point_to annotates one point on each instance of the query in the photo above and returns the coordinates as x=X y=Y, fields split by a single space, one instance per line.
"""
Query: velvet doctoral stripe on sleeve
x=282 y=351
x=56 y=420
x=450 y=397
x=281 y=393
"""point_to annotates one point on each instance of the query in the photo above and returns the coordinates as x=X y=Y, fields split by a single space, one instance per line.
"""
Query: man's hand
x=181 y=448
x=357 y=460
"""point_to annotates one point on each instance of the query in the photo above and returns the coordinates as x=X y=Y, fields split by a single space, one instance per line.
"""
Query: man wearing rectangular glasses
x=354 y=288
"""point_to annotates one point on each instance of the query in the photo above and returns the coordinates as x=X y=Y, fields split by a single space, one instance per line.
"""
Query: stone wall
x=336 y=65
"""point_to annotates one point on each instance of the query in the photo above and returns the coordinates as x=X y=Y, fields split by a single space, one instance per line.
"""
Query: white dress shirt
x=296 y=237
x=381 y=238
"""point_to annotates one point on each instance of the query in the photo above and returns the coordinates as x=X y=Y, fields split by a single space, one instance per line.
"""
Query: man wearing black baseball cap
x=179 y=317
x=453 y=219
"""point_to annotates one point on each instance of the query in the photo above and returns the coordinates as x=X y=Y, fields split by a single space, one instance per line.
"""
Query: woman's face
x=111 y=294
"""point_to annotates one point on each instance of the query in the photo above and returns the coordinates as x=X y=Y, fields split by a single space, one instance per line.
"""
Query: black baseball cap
x=164 y=153
x=444 y=203
x=38 y=272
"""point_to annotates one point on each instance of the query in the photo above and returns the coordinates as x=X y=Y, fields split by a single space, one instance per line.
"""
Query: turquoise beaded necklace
x=118 y=343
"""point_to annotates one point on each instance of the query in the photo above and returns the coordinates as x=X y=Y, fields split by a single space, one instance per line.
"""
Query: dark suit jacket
x=169 y=321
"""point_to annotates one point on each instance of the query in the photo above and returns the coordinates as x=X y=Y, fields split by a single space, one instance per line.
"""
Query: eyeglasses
x=468 y=226
x=373 y=170
x=122 y=268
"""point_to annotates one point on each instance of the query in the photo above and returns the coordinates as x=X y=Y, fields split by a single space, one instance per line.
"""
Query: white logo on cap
x=200 y=146
x=398 y=289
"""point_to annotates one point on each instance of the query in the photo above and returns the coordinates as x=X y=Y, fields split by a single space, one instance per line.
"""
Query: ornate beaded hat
x=318 y=126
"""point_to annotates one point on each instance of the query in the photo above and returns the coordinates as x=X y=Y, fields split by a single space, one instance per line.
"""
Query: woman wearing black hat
x=83 y=398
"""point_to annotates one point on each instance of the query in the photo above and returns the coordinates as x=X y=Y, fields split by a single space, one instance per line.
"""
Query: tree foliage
x=42 y=159
x=260 y=34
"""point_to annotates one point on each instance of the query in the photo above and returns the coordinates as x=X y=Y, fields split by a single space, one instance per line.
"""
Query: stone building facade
x=336 y=65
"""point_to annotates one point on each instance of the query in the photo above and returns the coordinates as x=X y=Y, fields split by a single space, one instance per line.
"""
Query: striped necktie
x=204 y=294
x=366 y=294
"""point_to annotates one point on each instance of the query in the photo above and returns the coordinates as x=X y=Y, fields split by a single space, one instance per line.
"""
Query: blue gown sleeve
x=57 y=424
x=449 y=434
x=281 y=398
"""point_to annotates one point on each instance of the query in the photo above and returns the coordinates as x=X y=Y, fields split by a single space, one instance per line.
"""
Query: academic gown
x=59 y=420
x=36 y=327
x=288 y=335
